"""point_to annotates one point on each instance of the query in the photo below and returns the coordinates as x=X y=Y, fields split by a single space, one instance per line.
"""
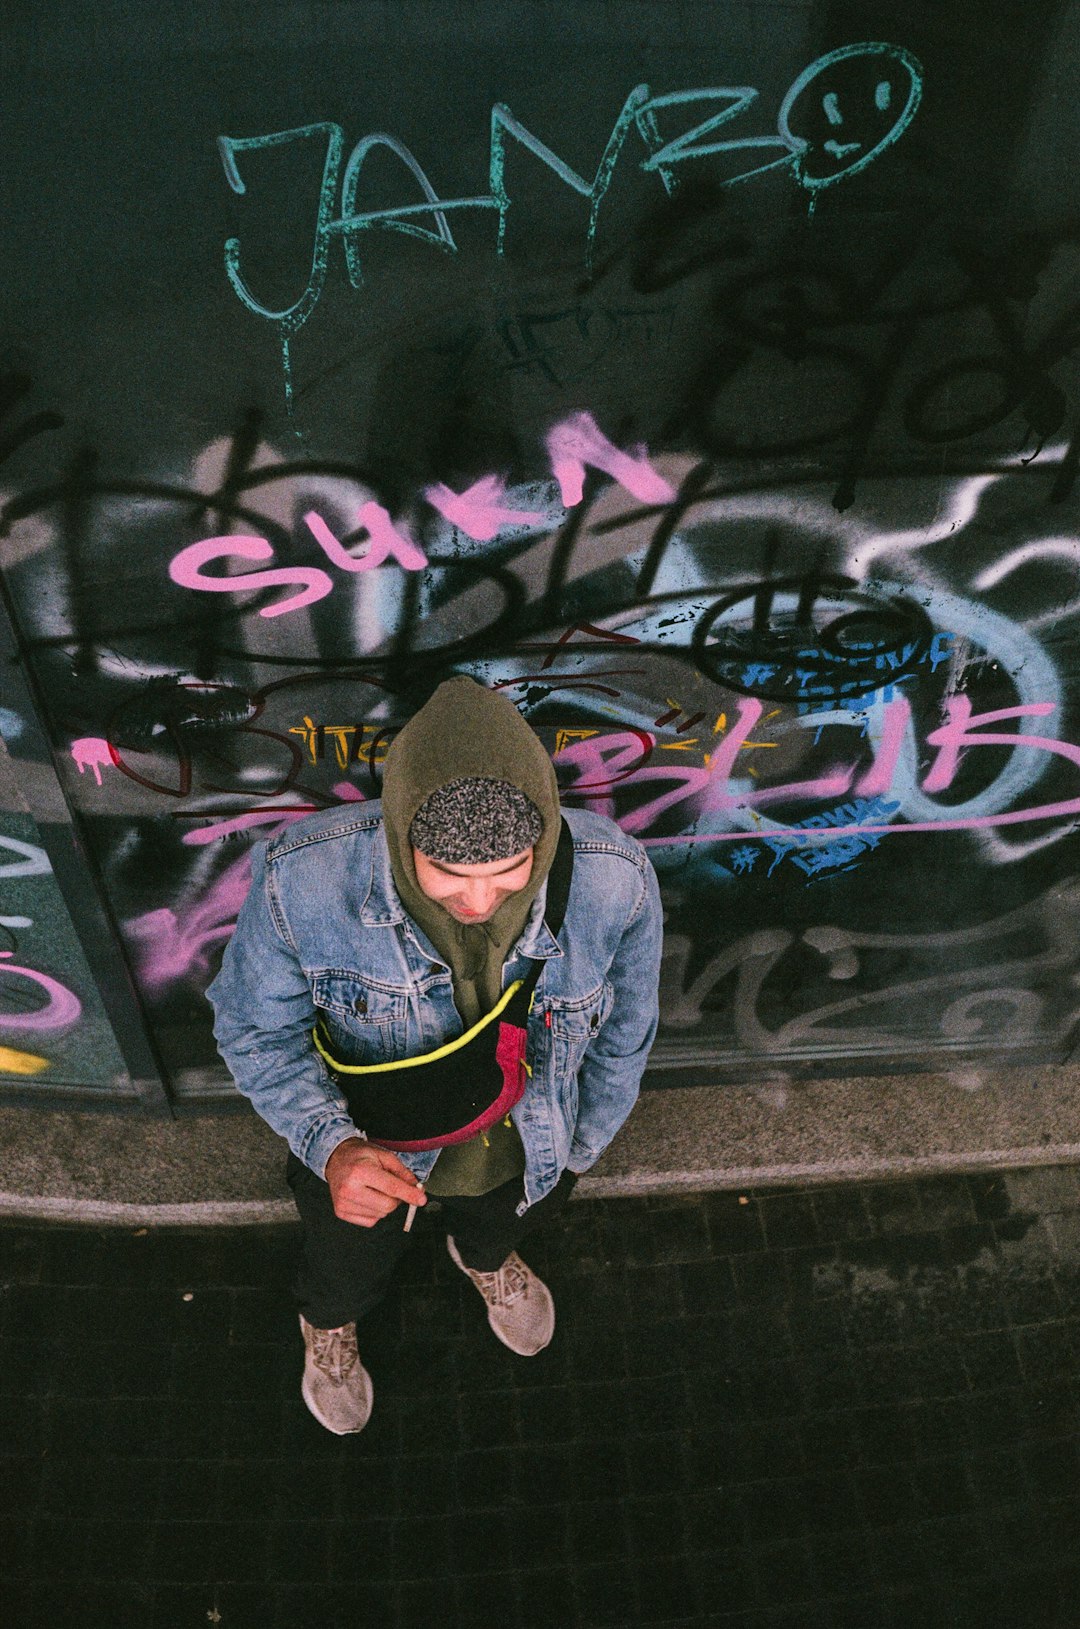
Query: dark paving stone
x=849 y=1406
x=605 y=1594
x=989 y=1196
x=1046 y=1189
x=734 y=1223
x=789 y=1221
x=842 y=1213
x=895 y=1207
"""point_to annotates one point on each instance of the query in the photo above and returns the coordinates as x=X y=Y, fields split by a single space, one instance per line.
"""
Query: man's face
x=472 y=893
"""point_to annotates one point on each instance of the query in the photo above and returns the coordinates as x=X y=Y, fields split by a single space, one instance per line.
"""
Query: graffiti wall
x=704 y=378
x=54 y=1031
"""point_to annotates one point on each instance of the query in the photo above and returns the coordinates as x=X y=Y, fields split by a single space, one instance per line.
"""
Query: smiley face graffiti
x=847 y=107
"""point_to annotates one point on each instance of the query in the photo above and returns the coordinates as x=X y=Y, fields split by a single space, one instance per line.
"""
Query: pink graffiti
x=1013 y=817
x=960 y=721
x=579 y=441
x=479 y=511
x=962 y=731
x=63 y=1006
x=387 y=542
x=186 y=569
x=91 y=752
x=598 y=757
x=171 y=947
x=277 y=818
x=878 y=778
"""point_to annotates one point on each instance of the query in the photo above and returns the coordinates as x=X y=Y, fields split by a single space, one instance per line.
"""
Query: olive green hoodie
x=464 y=731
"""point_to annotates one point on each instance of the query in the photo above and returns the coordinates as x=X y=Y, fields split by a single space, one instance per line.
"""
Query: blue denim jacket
x=323 y=929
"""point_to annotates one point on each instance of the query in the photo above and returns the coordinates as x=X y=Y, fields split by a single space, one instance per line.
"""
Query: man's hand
x=366 y=1183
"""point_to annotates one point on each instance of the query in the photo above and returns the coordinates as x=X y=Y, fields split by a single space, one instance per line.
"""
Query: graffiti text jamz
x=840 y=114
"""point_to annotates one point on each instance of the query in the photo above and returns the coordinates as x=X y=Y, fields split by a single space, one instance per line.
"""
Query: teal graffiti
x=502 y=120
x=849 y=93
x=292 y=318
x=850 y=89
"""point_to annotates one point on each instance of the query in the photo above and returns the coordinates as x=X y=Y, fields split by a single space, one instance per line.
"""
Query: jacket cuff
x=318 y=1149
x=580 y=1158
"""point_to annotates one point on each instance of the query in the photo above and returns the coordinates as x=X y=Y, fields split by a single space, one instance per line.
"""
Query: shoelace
x=509 y=1284
x=334 y=1351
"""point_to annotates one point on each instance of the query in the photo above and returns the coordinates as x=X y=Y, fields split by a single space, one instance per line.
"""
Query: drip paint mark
x=92 y=752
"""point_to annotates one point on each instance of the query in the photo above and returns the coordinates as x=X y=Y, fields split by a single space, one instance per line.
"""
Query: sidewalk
x=852 y=1406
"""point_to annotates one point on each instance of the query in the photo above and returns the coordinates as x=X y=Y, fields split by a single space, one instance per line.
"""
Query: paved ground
x=852 y=1406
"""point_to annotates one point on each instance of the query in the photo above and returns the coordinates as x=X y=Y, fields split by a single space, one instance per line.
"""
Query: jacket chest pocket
x=363 y=1022
x=575 y=1023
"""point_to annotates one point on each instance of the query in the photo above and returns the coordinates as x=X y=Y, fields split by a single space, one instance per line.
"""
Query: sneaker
x=520 y=1308
x=336 y=1387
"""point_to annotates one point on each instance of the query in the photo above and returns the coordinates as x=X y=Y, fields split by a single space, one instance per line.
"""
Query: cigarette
x=412 y=1211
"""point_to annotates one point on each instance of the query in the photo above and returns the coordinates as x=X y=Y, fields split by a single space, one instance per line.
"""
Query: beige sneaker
x=336 y=1387
x=520 y=1308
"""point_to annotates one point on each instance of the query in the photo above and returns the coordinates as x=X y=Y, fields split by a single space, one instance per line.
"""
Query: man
x=452 y=992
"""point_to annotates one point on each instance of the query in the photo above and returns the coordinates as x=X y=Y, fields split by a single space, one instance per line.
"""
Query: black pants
x=345 y=1269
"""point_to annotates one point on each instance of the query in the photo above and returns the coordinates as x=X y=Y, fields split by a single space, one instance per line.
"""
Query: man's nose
x=480 y=895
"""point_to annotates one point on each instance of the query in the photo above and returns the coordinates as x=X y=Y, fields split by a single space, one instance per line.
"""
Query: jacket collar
x=382 y=907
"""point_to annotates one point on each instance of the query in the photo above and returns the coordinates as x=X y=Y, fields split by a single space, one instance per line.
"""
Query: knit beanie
x=474 y=820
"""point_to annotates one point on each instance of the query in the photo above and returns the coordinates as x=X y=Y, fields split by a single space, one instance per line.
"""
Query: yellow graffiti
x=564 y=737
x=315 y=734
x=307 y=728
x=353 y=742
x=20 y=1063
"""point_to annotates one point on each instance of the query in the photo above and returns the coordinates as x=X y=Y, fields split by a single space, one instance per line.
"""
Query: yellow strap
x=425 y=1057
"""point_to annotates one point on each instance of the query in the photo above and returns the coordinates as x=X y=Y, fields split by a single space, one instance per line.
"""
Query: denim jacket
x=324 y=932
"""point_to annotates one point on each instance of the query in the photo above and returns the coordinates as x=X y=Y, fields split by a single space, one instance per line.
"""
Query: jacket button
x=594 y=1021
x=360 y=1005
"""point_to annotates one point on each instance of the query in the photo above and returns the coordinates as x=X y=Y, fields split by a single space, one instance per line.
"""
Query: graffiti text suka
x=573 y=446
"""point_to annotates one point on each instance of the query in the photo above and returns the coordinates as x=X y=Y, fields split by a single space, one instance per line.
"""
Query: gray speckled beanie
x=475 y=820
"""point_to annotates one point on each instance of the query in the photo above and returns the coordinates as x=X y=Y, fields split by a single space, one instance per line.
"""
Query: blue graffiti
x=815 y=857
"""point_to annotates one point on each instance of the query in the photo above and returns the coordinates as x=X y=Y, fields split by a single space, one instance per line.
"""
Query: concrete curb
x=639 y=1185
x=117 y=1169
